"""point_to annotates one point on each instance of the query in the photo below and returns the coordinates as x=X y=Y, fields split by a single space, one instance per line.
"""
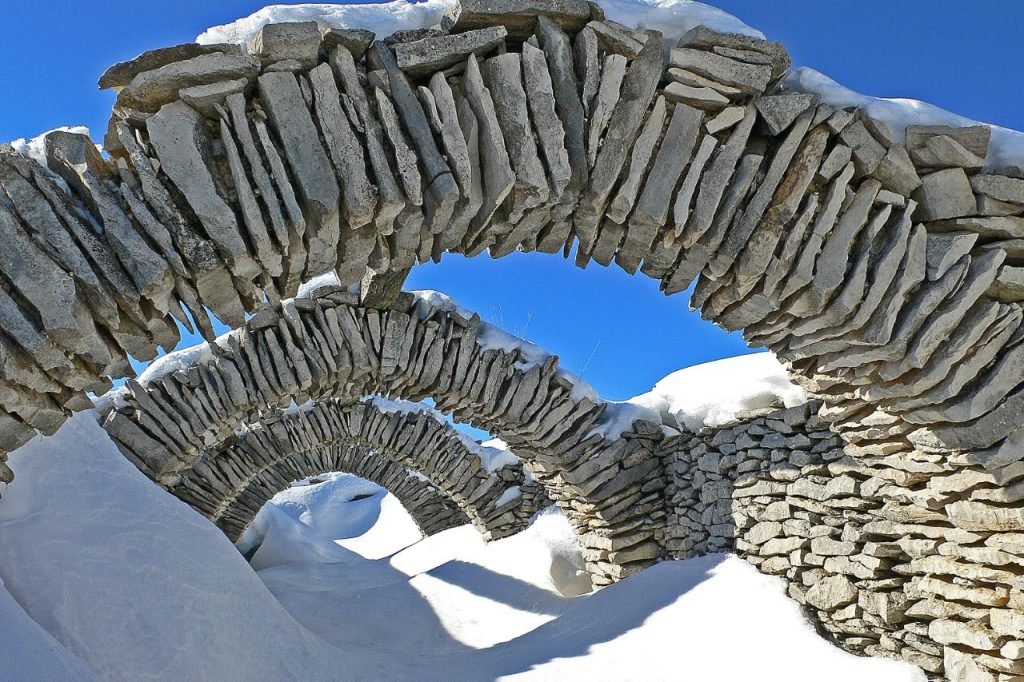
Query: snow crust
x=713 y=393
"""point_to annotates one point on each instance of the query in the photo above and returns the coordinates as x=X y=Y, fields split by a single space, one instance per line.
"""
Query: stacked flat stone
x=883 y=554
x=884 y=266
x=327 y=348
x=417 y=456
x=237 y=172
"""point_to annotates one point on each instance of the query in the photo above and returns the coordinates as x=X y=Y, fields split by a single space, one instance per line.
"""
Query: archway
x=882 y=265
x=413 y=453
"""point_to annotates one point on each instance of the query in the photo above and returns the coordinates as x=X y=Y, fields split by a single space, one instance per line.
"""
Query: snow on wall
x=713 y=393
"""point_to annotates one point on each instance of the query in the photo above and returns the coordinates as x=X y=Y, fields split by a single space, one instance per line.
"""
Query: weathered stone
x=550 y=132
x=179 y=139
x=150 y=90
x=121 y=74
x=436 y=53
x=206 y=98
x=972 y=139
x=780 y=111
x=999 y=187
x=604 y=102
x=617 y=38
x=354 y=40
x=359 y=196
x=517 y=16
x=749 y=78
x=749 y=48
x=831 y=593
x=1009 y=285
x=946 y=194
x=494 y=158
x=642 y=152
x=298 y=40
x=314 y=176
x=702 y=98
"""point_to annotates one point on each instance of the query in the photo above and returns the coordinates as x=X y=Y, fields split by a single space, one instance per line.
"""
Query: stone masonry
x=885 y=267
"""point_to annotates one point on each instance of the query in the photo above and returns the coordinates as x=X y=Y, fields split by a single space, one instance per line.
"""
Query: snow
x=495 y=454
x=132 y=581
x=513 y=493
x=671 y=17
x=137 y=586
x=35 y=148
x=713 y=393
x=1005 y=149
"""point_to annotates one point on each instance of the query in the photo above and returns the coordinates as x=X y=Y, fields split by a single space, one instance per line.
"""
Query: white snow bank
x=671 y=17
x=130 y=579
x=495 y=454
x=29 y=652
x=711 y=394
x=1005 y=149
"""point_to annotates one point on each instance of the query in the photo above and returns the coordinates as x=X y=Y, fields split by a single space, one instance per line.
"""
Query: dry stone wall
x=423 y=461
x=884 y=266
x=877 y=552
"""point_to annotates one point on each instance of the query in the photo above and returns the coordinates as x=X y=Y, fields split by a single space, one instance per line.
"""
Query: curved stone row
x=235 y=176
x=326 y=347
x=430 y=509
x=414 y=454
x=887 y=556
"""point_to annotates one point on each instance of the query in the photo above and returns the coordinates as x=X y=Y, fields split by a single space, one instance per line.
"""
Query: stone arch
x=430 y=509
x=883 y=265
x=438 y=476
x=327 y=347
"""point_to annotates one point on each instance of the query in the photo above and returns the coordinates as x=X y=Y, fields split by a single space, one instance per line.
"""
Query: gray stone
x=150 y=90
x=359 y=196
x=206 y=98
x=617 y=39
x=1009 y=285
x=945 y=249
x=725 y=120
x=831 y=593
x=603 y=104
x=518 y=16
x=298 y=40
x=999 y=187
x=640 y=158
x=496 y=167
x=868 y=153
x=972 y=139
x=702 y=98
x=946 y=194
x=354 y=40
x=424 y=57
x=121 y=74
x=588 y=67
x=751 y=79
x=748 y=47
x=180 y=142
x=314 y=176
x=550 y=132
x=779 y=111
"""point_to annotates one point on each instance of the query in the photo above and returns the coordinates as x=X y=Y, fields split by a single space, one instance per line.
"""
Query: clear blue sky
x=617 y=330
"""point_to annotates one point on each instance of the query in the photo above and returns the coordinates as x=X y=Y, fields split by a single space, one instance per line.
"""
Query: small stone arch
x=438 y=475
x=326 y=347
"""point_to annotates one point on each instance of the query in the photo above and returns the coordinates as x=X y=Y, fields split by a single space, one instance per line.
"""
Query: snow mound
x=35 y=148
x=713 y=393
x=132 y=581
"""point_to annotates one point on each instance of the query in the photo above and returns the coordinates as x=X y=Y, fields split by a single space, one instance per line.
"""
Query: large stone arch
x=328 y=347
x=883 y=265
x=412 y=453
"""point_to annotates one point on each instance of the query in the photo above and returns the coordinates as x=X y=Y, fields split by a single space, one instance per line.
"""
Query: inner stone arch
x=442 y=479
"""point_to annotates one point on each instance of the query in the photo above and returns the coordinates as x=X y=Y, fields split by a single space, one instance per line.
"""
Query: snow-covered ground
x=106 y=576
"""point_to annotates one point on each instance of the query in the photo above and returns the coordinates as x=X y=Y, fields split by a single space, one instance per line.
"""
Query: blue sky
x=617 y=330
